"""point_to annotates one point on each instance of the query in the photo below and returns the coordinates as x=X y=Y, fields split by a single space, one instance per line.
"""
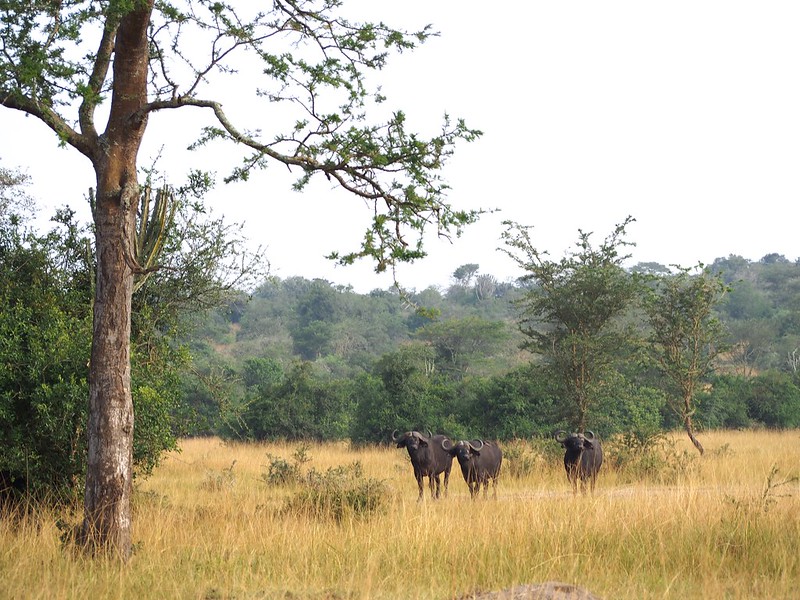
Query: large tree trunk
x=109 y=476
x=107 y=510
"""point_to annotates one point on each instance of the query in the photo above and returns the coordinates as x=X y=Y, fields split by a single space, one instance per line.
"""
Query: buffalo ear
x=588 y=443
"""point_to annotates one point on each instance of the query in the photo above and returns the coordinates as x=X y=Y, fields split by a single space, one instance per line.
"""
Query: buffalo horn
x=561 y=436
x=589 y=435
x=394 y=435
x=474 y=447
x=446 y=441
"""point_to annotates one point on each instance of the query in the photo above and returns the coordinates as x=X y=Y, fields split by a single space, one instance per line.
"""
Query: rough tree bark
x=107 y=514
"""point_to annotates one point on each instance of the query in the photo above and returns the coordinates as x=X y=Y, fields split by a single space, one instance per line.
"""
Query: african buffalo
x=480 y=461
x=13 y=488
x=582 y=459
x=427 y=458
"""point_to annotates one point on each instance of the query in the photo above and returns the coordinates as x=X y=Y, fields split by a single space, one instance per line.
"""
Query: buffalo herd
x=432 y=456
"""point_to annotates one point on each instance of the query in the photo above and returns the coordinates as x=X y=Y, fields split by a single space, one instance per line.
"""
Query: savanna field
x=219 y=520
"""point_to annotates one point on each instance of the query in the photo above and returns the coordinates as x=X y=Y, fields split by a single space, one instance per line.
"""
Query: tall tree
x=571 y=311
x=63 y=60
x=686 y=336
x=460 y=343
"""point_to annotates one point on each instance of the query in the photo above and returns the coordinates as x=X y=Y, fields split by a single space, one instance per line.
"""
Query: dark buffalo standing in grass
x=427 y=457
x=582 y=458
x=480 y=461
x=13 y=488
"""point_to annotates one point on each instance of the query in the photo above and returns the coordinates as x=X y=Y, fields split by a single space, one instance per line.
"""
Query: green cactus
x=152 y=225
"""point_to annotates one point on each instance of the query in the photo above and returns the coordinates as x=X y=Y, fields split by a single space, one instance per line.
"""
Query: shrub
x=224 y=480
x=775 y=400
x=338 y=493
x=654 y=459
x=522 y=458
x=281 y=472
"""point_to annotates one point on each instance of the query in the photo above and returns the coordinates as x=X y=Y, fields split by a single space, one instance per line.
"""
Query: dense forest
x=222 y=349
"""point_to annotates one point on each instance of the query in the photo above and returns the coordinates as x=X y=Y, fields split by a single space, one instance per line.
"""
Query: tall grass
x=211 y=523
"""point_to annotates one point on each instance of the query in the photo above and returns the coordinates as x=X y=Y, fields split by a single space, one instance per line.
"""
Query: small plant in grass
x=337 y=493
x=653 y=459
x=281 y=472
x=770 y=494
x=772 y=490
x=223 y=480
x=520 y=459
x=748 y=515
x=724 y=451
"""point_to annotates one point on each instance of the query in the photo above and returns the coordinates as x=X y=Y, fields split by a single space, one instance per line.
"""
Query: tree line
x=573 y=343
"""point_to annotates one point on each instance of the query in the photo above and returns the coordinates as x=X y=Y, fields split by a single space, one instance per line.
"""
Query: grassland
x=211 y=523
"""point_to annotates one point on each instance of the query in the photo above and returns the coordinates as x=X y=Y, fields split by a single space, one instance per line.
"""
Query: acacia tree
x=61 y=60
x=686 y=335
x=570 y=313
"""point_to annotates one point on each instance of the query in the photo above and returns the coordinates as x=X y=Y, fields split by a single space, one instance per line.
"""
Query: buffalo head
x=575 y=441
x=462 y=450
x=411 y=439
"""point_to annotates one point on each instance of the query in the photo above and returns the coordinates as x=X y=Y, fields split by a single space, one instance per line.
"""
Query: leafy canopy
x=303 y=61
x=571 y=312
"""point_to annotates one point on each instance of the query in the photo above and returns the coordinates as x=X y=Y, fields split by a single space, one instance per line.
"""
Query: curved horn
x=560 y=436
x=430 y=433
x=394 y=435
x=446 y=441
x=474 y=447
x=589 y=435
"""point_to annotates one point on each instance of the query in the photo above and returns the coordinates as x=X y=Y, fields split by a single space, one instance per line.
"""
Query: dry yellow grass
x=206 y=527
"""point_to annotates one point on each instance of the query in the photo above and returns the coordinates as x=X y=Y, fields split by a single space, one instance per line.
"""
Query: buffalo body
x=428 y=459
x=583 y=457
x=479 y=461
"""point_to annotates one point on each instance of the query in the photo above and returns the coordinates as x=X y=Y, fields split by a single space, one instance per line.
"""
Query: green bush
x=281 y=472
x=338 y=493
x=520 y=459
x=298 y=405
x=514 y=405
x=774 y=400
x=655 y=459
x=724 y=404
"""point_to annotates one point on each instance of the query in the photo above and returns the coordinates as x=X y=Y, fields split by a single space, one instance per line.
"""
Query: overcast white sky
x=683 y=114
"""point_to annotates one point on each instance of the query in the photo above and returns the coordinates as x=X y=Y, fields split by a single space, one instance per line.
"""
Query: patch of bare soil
x=550 y=590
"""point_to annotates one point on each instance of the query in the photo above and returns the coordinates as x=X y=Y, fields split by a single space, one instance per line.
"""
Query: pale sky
x=683 y=114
